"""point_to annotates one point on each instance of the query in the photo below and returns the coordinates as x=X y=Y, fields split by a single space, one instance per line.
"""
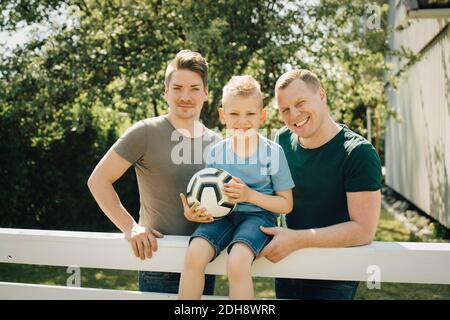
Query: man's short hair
x=242 y=86
x=188 y=60
x=309 y=77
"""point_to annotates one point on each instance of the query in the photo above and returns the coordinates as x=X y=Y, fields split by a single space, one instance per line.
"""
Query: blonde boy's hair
x=242 y=86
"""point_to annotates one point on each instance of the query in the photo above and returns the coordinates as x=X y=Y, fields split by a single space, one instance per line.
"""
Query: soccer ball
x=205 y=187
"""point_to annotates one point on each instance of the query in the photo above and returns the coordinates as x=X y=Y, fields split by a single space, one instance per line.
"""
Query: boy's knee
x=199 y=253
x=239 y=260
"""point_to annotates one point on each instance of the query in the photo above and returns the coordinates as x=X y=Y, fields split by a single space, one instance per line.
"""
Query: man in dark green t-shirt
x=337 y=176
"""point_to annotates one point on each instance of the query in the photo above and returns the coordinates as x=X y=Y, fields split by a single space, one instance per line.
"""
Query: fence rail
x=407 y=262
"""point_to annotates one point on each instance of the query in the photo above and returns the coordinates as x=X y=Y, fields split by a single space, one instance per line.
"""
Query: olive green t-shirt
x=323 y=176
x=164 y=161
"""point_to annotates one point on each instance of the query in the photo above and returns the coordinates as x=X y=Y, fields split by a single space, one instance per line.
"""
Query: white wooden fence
x=407 y=262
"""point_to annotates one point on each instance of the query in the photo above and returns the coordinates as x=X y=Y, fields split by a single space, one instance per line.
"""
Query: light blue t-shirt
x=265 y=171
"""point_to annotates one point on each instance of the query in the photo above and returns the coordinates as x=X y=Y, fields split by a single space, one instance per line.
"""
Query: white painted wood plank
x=20 y=291
x=397 y=261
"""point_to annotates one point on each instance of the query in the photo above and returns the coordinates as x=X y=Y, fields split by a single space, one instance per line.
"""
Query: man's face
x=302 y=109
x=242 y=116
x=185 y=94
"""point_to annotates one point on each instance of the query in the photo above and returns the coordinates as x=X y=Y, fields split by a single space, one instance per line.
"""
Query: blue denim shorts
x=237 y=227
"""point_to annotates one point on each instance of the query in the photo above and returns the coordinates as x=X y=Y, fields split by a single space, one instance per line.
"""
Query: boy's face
x=302 y=109
x=242 y=115
x=185 y=94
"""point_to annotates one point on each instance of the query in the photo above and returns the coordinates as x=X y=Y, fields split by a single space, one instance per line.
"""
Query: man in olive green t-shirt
x=337 y=176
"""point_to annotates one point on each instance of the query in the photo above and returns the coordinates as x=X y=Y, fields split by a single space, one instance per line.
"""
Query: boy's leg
x=248 y=242
x=198 y=255
x=239 y=271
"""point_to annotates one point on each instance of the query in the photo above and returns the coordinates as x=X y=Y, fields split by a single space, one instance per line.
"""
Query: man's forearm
x=346 y=234
x=108 y=200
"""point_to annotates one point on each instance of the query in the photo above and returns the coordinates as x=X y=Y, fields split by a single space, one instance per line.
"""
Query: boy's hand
x=195 y=213
x=237 y=190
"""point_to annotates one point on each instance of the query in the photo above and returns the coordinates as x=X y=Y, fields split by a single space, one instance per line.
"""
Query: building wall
x=418 y=146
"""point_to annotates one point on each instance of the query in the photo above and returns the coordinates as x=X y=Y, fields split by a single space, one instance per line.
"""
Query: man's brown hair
x=188 y=60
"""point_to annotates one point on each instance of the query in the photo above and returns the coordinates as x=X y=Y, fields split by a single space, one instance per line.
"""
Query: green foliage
x=14 y=12
x=65 y=98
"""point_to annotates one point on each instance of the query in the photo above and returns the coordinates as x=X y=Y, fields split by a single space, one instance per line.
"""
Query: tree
x=65 y=98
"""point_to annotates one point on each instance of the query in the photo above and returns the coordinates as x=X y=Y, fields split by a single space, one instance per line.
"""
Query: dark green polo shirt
x=323 y=176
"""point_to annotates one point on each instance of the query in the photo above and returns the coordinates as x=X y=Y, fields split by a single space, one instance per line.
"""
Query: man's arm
x=110 y=168
x=364 y=210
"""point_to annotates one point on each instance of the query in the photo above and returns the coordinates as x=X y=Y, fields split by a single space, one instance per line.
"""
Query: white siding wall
x=418 y=147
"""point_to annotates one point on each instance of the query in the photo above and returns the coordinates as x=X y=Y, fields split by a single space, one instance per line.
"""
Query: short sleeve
x=279 y=170
x=277 y=137
x=210 y=158
x=132 y=144
x=363 y=170
x=215 y=155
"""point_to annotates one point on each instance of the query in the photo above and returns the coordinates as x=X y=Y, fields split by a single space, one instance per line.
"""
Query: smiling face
x=185 y=93
x=242 y=115
x=302 y=108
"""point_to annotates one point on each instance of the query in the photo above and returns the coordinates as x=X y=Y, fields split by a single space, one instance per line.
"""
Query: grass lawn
x=388 y=230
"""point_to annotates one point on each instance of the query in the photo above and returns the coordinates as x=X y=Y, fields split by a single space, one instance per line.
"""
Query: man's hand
x=237 y=190
x=195 y=213
x=143 y=241
x=284 y=242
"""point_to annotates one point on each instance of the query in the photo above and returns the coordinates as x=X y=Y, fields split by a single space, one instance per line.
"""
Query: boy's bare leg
x=192 y=280
x=239 y=272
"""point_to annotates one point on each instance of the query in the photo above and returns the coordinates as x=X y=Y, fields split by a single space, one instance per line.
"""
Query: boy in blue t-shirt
x=261 y=187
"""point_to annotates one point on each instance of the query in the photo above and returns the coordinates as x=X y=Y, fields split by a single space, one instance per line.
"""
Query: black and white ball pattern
x=205 y=187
